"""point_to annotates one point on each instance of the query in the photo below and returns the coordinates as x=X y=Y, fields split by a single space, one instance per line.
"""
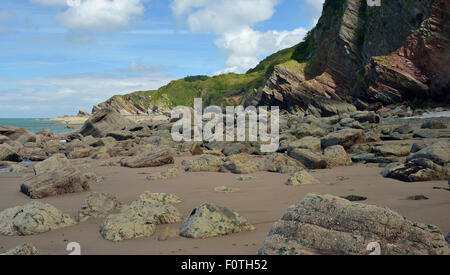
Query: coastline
x=70 y=120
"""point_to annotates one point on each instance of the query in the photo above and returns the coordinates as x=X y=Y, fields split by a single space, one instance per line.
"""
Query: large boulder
x=25 y=249
x=434 y=124
x=325 y=224
x=54 y=178
x=32 y=218
x=149 y=158
x=396 y=150
x=209 y=220
x=104 y=121
x=17 y=134
x=205 y=163
x=416 y=170
x=98 y=205
x=138 y=220
x=308 y=158
x=426 y=133
x=302 y=178
x=50 y=164
x=365 y=116
x=277 y=162
x=8 y=153
x=438 y=152
x=311 y=143
x=345 y=137
x=241 y=164
x=336 y=156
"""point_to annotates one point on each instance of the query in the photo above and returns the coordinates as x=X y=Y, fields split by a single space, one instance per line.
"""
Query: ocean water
x=35 y=125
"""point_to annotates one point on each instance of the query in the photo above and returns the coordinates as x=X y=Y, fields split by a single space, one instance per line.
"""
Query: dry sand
x=262 y=200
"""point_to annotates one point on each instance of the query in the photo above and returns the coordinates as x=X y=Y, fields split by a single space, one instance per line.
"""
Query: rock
x=417 y=170
x=438 y=152
x=149 y=158
x=104 y=121
x=38 y=154
x=241 y=164
x=20 y=135
x=236 y=148
x=25 y=249
x=346 y=137
x=434 y=124
x=32 y=218
x=396 y=150
x=447 y=238
x=393 y=136
x=8 y=153
x=426 y=133
x=138 y=220
x=4 y=139
x=160 y=198
x=98 y=205
x=225 y=189
x=168 y=233
x=311 y=228
x=209 y=220
x=416 y=147
x=309 y=159
x=206 y=163
x=80 y=153
x=245 y=178
x=83 y=113
x=311 y=143
x=302 y=178
x=336 y=156
x=370 y=117
x=50 y=164
x=121 y=135
x=62 y=180
x=276 y=162
x=417 y=198
x=404 y=129
x=354 y=198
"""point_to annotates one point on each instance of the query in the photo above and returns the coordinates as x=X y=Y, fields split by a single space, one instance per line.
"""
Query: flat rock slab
x=149 y=158
x=325 y=224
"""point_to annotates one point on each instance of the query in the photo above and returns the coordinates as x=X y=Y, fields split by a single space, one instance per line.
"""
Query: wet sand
x=262 y=201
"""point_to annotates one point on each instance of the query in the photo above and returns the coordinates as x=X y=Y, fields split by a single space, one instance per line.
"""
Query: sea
x=35 y=125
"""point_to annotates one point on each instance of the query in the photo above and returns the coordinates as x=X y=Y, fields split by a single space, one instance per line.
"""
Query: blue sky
x=58 y=56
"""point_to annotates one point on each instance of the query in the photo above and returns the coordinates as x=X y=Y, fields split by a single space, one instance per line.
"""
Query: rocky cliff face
x=387 y=54
x=376 y=55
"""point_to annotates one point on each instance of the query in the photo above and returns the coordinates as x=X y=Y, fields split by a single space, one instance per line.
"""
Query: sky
x=59 y=56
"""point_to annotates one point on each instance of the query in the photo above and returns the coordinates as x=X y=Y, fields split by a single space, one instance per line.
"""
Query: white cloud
x=138 y=68
x=232 y=21
x=313 y=9
x=104 y=16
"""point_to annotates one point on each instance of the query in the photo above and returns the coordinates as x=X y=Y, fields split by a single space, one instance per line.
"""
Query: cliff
x=376 y=55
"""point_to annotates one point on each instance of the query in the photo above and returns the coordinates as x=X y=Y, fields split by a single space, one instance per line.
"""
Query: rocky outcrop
x=32 y=218
x=209 y=220
x=54 y=176
x=325 y=224
x=149 y=158
x=138 y=220
x=8 y=153
x=104 y=121
x=83 y=113
x=302 y=178
x=25 y=249
x=98 y=205
x=17 y=134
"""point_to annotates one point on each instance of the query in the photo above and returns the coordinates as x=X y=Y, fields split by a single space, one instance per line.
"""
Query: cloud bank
x=233 y=22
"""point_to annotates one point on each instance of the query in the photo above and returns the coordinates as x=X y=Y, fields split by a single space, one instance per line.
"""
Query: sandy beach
x=262 y=200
